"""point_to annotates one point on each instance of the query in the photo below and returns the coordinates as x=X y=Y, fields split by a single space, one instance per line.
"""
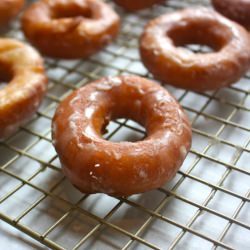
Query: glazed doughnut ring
x=161 y=54
x=70 y=29
x=22 y=66
x=238 y=11
x=96 y=165
x=132 y=5
x=9 y=9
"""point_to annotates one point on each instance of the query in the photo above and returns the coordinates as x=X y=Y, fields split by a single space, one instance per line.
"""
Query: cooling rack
x=204 y=207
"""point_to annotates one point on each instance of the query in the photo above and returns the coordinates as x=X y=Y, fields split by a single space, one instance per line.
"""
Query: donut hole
x=71 y=11
x=198 y=48
x=200 y=37
x=5 y=76
x=123 y=130
x=124 y=120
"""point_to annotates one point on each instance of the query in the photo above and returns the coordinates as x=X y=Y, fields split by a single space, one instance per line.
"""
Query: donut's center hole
x=198 y=48
x=72 y=11
x=123 y=130
x=199 y=38
x=5 y=76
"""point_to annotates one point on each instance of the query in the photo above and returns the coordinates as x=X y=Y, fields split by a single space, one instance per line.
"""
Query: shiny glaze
x=20 y=98
x=238 y=11
x=95 y=165
x=161 y=54
x=70 y=29
x=134 y=5
x=9 y=9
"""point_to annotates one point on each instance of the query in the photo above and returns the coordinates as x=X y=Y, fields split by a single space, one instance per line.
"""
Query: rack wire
x=204 y=207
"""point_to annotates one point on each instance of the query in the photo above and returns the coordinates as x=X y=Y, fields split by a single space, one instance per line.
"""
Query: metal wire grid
x=204 y=207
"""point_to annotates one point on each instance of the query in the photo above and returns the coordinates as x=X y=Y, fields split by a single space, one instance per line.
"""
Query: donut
x=163 y=56
x=238 y=11
x=70 y=29
x=95 y=165
x=132 y=5
x=22 y=67
x=9 y=9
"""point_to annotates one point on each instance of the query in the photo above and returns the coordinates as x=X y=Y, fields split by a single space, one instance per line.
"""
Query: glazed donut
x=23 y=67
x=70 y=29
x=96 y=165
x=238 y=11
x=161 y=54
x=132 y=5
x=9 y=9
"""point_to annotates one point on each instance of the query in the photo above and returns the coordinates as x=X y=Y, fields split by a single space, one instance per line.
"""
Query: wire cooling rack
x=204 y=207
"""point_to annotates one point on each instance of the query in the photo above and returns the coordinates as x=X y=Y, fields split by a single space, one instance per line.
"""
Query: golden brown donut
x=238 y=11
x=167 y=61
x=70 y=29
x=23 y=67
x=96 y=165
x=134 y=5
x=9 y=9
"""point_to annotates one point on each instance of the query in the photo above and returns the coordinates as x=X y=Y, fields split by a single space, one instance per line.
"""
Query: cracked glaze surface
x=120 y=168
x=167 y=61
x=20 y=98
x=70 y=29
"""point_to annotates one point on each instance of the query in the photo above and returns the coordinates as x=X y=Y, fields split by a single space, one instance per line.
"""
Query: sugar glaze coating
x=70 y=29
x=20 y=98
x=167 y=61
x=9 y=9
x=96 y=165
x=238 y=11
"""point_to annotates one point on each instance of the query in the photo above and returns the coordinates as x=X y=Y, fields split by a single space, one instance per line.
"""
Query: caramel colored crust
x=161 y=54
x=96 y=165
x=134 y=5
x=22 y=96
x=9 y=9
x=238 y=11
x=70 y=29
